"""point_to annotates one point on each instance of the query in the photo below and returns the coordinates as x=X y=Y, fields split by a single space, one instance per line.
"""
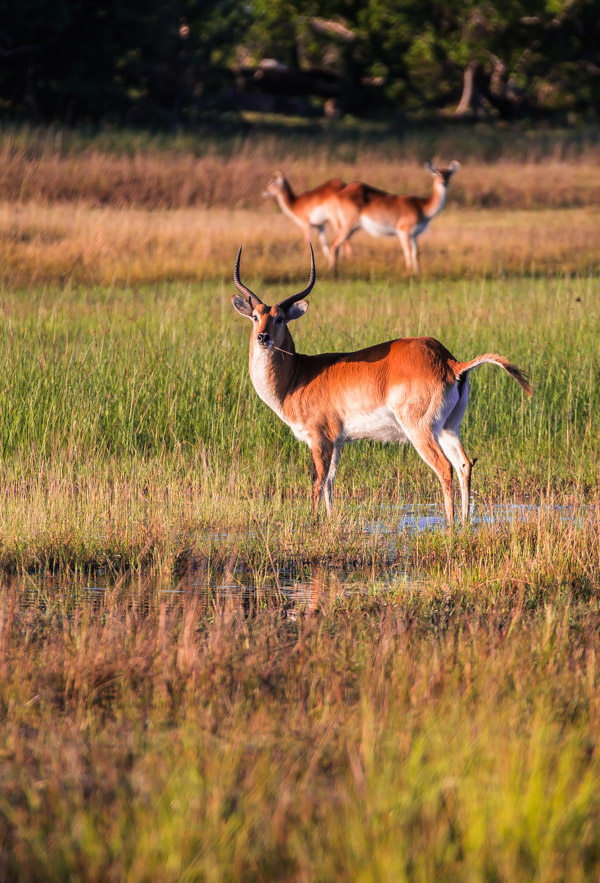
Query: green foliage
x=169 y=64
x=143 y=61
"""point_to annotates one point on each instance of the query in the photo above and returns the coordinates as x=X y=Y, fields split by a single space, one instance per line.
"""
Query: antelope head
x=276 y=184
x=269 y=324
x=443 y=175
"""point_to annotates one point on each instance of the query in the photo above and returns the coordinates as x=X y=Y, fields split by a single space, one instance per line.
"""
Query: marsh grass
x=383 y=734
x=130 y=432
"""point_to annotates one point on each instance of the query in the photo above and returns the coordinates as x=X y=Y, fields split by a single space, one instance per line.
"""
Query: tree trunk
x=484 y=90
x=470 y=100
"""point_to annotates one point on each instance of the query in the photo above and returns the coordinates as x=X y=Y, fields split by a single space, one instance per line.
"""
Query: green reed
x=134 y=406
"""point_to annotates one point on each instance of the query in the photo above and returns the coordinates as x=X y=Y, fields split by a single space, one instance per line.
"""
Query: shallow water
x=400 y=523
x=214 y=590
x=290 y=588
x=413 y=519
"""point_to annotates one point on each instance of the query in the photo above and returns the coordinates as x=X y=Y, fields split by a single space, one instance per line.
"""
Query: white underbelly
x=317 y=217
x=374 y=228
x=379 y=425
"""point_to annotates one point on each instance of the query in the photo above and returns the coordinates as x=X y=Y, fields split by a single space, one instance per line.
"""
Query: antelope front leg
x=414 y=254
x=340 y=239
x=404 y=242
x=322 y=453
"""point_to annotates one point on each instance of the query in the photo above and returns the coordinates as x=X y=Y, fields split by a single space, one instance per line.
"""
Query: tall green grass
x=126 y=411
x=378 y=728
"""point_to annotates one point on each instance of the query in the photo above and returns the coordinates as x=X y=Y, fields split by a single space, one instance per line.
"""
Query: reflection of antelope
x=403 y=390
x=311 y=209
x=360 y=206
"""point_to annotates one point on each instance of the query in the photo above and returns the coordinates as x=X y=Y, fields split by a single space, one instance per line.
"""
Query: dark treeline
x=177 y=62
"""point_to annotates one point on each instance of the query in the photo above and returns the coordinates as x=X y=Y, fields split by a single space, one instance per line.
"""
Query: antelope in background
x=314 y=208
x=360 y=206
x=410 y=389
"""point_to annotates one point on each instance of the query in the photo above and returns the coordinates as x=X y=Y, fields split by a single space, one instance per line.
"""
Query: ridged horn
x=253 y=299
x=284 y=304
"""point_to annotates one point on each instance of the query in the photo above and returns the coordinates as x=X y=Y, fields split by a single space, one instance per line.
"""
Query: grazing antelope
x=410 y=389
x=311 y=209
x=360 y=206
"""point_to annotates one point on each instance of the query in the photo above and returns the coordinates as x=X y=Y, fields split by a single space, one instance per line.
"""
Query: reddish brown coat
x=411 y=389
x=360 y=206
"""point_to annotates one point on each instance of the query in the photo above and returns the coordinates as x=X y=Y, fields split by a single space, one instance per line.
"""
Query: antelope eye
x=278 y=320
x=254 y=318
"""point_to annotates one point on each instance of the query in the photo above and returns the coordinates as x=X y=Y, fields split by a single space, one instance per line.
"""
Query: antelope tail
x=462 y=368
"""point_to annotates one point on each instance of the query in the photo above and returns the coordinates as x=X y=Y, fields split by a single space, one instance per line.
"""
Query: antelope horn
x=253 y=299
x=284 y=304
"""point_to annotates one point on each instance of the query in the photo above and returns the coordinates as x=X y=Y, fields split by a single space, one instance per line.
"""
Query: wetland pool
x=292 y=586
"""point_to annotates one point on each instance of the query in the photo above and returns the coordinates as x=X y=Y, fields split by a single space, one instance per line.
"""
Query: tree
x=168 y=63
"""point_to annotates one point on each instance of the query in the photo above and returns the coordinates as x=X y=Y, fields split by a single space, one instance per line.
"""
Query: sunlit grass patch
x=130 y=431
x=110 y=246
x=506 y=168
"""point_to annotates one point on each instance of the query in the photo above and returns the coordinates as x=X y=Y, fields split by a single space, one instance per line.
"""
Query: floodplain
x=197 y=679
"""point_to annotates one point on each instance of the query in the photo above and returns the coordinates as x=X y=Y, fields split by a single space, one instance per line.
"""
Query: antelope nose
x=263 y=336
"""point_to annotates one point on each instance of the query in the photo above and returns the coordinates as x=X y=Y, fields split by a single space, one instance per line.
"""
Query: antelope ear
x=430 y=167
x=454 y=166
x=241 y=305
x=296 y=310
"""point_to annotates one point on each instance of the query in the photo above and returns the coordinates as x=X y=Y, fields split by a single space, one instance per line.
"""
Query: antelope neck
x=286 y=194
x=437 y=200
x=271 y=372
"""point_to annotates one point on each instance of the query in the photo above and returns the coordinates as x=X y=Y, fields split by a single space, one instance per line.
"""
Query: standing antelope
x=360 y=206
x=314 y=208
x=410 y=389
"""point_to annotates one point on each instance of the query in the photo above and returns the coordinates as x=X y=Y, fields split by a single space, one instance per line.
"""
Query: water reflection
x=292 y=588
x=288 y=589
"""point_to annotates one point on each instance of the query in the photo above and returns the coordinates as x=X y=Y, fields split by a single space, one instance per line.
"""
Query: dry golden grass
x=138 y=212
x=445 y=731
x=105 y=245
x=236 y=177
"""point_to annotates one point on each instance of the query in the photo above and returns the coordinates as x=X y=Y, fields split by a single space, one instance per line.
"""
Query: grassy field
x=62 y=244
x=501 y=168
x=425 y=703
x=130 y=432
x=449 y=730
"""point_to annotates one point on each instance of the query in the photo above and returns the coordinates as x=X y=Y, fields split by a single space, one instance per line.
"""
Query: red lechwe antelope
x=410 y=389
x=359 y=206
x=314 y=208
